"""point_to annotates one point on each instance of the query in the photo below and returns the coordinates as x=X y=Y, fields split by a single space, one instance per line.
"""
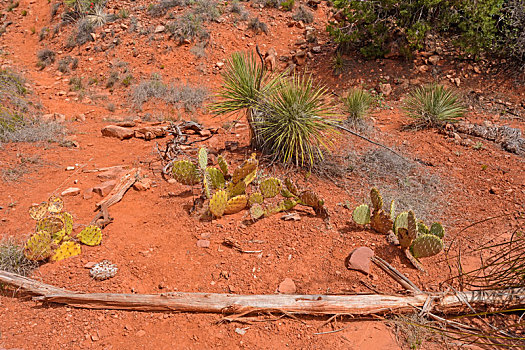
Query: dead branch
x=290 y=304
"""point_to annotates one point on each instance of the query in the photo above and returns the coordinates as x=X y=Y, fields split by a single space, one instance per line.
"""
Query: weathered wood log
x=296 y=304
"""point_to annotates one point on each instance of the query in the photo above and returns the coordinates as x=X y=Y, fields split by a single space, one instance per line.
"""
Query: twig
x=396 y=275
x=367 y=139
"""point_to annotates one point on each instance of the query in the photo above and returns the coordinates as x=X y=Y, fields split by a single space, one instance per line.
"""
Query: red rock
x=142 y=185
x=104 y=188
x=89 y=265
x=359 y=259
x=203 y=243
x=110 y=174
x=126 y=123
x=287 y=286
x=205 y=132
x=88 y=194
x=72 y=191
x=118 y=132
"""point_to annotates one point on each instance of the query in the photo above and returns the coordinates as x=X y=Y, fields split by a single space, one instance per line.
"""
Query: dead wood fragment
x=282 y=303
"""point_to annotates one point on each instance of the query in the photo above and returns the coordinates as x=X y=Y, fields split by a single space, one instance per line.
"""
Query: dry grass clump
x=12 y=258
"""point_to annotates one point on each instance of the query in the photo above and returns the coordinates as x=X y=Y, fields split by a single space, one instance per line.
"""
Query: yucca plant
x=246 y=82
x=296 y=127
x=357 y=103
x=433 y=105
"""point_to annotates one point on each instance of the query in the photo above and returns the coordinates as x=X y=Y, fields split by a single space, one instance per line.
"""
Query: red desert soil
x=153 y=237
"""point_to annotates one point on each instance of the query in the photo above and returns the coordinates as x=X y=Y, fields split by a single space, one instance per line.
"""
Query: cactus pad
x=54 y=225
x=218 y=203
x=223 y=165
x=90 y=235
x=39 y=211
x=392 y=209
x=185 y=172
x=236 y=204
x=256 y=197
x=39 y=246
x=67 y=220
x=203 y=158
x=377 y=200
x=310 y=199
x=237 y=189
x=437 y=230
x=250 y=177
x=103 y=270
x=286 y=194
x=426 y=245
x=422 y=228
x=361 y=214
x=270 y=187
x=247 y=168
x=412 y=223
x=401 y=221
x=381 y=222
x=273 y=209
x=288 y=204
x=206 y=185
x=216 y=178
x=291 y=187
x=66 y=250
x=55 y=204
x=256 y=211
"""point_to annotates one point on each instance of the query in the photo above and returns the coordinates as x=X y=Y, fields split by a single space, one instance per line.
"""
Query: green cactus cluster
x=413 y=235
x=229 y=191
x=52 y=239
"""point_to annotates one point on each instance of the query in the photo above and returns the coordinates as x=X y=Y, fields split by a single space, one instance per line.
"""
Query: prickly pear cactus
x=39 y=246
x=55 y=204
x=250 y=177
x=437 y=230
x=288 y=204
x=273 y=209
x=401 y=221
x=426 y=245
x=408 y=234
x=90 y=235
x=310 y=199
x=422 y=228
x=103 y=270
x=270 y=187
x=256 y=197
x=203 y=158
x=223 y=165
x=292 y=188
x=39 y=211
x=377 y=200
x=216 y=178
x=392 y=209
x=286 y=194
x=67 y=220
x=256 y=211
x=236 y=204
x=206 y=186
x=381 y=222
x=361 y=214
x=185 y=172
x=237 y=189
x=66 y=250
x=218 y=203
x=247 y=168
x=54 y=225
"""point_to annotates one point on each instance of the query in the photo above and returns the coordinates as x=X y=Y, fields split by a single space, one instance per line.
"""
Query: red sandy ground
x=153 y=238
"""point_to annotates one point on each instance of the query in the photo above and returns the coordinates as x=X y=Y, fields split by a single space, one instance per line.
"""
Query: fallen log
x=292 y=304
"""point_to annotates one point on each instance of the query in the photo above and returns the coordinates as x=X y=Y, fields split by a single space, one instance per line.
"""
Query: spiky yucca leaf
x=433 y=105
x=357 y=103
x=296 y=127
x=245 y=81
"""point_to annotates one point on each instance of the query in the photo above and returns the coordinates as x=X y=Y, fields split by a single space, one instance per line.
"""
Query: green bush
x=475 y=25
x=357 y=103
x=433 y=105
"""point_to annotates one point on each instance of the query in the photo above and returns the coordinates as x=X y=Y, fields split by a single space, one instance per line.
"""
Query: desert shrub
x=45 y=57
x=199 y=49
x=187 y=27
x=112 y=79
x=12 y=258
x=160 y=9
x=188 y=96
x=98 y=17
x=82 y=34
x=127 y=80
x=514 y=40
x=257 y=26
x=76 y=84
x=237 y=7
x=206 y=9
x=296 y=127
x=433 y=105
x=357 y=103
x=373 y=27
x=287 y=116
x=303 y=14
x=54 y=9
x=44 y=32
x=83 y=7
